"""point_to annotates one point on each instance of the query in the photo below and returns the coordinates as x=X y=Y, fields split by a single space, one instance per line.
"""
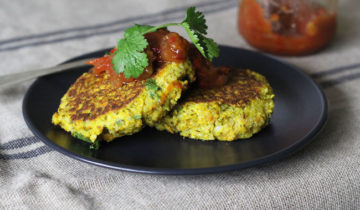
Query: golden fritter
x=237 y=110
x=94 y=107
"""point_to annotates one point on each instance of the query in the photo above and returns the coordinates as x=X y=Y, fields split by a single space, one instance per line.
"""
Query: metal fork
x=32 y=74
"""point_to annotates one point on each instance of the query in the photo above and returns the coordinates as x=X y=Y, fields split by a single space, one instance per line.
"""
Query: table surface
x=35 y=34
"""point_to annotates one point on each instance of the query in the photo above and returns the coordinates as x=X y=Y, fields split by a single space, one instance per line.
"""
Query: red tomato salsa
x=284 y=30
x=165 y=46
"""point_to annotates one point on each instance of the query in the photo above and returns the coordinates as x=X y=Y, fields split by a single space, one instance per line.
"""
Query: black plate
x=300 y=112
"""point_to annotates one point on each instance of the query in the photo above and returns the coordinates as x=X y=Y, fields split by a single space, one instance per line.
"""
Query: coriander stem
x=161 y=26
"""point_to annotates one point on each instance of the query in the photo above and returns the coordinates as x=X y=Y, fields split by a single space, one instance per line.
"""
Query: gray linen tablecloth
x=41 y=33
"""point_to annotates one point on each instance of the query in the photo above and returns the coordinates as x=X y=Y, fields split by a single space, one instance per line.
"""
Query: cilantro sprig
x=130 y=58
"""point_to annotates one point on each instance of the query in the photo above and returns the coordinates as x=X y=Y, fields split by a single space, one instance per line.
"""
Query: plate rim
x=285 y=152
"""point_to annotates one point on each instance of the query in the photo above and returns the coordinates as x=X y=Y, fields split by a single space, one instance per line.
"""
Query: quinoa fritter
x=94 y=107
x=237 y=110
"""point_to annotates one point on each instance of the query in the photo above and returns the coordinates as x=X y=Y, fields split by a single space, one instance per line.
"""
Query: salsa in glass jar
x=287 y=27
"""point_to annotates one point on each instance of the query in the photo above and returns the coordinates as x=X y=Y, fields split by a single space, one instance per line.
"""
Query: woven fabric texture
x=41 y=33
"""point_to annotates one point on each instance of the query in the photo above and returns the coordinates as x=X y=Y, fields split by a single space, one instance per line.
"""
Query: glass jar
x=287 y=27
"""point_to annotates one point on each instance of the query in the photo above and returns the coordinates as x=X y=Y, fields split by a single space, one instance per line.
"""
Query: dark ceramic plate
x=300 y=112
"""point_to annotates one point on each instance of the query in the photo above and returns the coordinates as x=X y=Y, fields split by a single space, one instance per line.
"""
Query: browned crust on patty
x=94 y=95
x=241 y=88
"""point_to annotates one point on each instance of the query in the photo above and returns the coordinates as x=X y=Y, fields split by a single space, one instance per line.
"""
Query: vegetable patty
x=93 y=107
x=236 y=110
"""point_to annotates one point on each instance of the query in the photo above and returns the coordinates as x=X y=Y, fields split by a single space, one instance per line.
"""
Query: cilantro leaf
x=206 y=46
x=194 y=38
x=195 y=20
x=211 y=48
x=129 y=57
x=195 y=25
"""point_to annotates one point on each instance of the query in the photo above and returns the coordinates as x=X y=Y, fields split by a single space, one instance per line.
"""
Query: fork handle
x=12 y=79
